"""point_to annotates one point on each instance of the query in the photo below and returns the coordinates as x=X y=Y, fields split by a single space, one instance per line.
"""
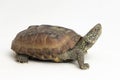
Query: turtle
x=54 y=43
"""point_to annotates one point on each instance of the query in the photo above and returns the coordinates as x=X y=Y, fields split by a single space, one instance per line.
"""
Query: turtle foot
x=21 y=58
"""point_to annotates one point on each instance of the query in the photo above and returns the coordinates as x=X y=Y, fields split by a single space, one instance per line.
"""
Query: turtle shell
x=44 y=40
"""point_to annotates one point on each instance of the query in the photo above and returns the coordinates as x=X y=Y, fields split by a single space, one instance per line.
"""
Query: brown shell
x=44 y=40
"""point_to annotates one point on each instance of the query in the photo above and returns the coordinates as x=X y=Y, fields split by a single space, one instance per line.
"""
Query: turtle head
x=91 y=37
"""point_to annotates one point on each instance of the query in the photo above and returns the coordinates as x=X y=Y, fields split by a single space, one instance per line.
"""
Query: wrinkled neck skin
x=82 y=45
x=73 y=53
x=79 y=48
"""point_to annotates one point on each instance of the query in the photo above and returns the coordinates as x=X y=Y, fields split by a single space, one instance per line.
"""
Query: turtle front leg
x=81 y=61
x=21 y=58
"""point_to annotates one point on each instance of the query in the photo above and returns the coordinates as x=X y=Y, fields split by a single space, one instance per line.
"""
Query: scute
x=44 y=40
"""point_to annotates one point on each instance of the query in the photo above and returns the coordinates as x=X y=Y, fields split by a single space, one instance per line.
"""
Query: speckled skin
x=46 y=42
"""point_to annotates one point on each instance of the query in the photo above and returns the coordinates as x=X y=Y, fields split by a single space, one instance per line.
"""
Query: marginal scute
x=45 y=40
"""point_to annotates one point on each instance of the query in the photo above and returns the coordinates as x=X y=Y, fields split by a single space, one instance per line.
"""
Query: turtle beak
x=93 y=34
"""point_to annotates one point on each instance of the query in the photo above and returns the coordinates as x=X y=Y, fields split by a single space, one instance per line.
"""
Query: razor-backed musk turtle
x=54 y=43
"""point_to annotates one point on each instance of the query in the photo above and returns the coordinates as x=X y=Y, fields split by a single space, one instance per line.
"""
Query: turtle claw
x=22 y=58
x=84 y=66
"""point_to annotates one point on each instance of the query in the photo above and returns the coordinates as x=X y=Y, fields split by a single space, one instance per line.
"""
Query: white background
x=79 y=15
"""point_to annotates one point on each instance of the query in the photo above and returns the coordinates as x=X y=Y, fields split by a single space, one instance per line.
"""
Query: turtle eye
x=88 y=45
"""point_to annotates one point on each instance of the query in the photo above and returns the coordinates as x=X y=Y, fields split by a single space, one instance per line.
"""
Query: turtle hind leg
x=21 y=58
